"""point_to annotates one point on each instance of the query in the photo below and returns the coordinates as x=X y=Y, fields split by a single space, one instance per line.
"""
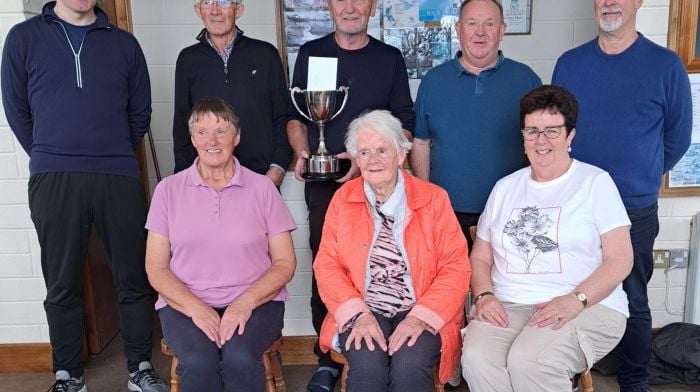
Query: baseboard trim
x=298 y=350
x=36 y=357
x=25 y=357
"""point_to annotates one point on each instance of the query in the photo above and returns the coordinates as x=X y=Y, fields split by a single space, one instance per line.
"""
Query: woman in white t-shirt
x=552 y=249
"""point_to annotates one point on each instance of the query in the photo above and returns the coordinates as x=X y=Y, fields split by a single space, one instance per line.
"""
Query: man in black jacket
x=245 y=72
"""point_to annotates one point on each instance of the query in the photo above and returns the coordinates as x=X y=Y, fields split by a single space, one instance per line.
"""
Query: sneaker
x=66 y=383
x=323 y=380
x=146 y=380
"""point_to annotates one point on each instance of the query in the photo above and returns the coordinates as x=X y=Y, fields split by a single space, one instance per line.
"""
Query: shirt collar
x=391 y=207
x=195 y=179
x=227 y=49
x=460 y=69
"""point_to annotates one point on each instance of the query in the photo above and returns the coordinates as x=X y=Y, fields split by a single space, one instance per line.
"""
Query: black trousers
x=63 y=207
x=318 y=196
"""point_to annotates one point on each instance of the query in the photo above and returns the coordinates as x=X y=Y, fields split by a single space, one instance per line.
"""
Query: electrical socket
x=662 y=258
x=679 y=258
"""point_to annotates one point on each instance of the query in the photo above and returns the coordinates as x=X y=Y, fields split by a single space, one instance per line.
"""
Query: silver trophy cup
x=320 y=108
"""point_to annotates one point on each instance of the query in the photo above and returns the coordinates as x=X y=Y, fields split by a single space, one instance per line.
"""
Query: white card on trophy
x=322 y=74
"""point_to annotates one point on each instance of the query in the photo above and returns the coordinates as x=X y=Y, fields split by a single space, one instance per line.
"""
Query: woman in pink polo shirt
x=219 y=253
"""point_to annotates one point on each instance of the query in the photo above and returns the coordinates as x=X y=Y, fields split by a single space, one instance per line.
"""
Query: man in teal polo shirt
x=467 y=114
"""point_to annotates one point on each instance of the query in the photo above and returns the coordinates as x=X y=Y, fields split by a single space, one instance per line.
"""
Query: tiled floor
x=106 y=372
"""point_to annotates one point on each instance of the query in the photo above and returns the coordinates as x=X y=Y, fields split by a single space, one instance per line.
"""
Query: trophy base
x=323 y=167
x=321 y=176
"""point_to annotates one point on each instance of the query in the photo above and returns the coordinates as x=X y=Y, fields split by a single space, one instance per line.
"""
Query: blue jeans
x=409 y=369
x=237 y=366
x=635 y=346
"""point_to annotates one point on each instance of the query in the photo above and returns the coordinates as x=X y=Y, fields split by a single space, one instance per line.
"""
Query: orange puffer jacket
x=436 y=251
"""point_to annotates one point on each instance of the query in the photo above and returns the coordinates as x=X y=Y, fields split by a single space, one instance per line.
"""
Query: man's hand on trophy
x=300 y=166
x=354 y=169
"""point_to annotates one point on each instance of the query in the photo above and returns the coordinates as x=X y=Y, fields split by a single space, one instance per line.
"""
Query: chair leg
x=275 y=362
x=174 y=378
x=587 y=381
x=269 y=382
x=344 y=377
x=436 y=379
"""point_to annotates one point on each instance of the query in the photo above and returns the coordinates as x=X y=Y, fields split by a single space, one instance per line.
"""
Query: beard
x=607 y=25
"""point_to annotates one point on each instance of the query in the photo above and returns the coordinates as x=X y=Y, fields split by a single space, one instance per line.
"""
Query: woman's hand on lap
x=489 y=309
x=206 y=319
x=366 y=328
x=556 y=312
x=408 y=331
x=235 y=317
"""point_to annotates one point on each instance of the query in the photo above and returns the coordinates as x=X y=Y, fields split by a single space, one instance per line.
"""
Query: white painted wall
x=164 y=27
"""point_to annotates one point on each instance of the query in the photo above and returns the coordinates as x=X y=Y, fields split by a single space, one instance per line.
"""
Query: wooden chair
x=586 y=381
x=274 y=380
x=586 y=378
x=340 y=358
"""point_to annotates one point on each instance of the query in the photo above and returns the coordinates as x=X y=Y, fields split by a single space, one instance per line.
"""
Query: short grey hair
x=222 y=110
x=381 y=122
x=497 y=2
x=196 y=2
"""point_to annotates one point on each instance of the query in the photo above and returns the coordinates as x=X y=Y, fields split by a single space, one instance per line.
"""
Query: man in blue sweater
x=77 y=96
x=634 y=122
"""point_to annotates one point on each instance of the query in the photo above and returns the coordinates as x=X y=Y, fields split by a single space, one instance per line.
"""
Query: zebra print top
x=387 y=292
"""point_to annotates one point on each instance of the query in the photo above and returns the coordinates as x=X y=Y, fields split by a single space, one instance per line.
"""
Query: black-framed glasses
x=220 y=3
x=550 y=132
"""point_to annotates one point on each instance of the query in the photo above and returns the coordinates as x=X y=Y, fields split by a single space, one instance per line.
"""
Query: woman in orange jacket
x=392 y=268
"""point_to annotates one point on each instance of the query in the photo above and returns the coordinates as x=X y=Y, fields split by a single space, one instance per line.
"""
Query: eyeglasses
x=206 y=4
x=551 y=132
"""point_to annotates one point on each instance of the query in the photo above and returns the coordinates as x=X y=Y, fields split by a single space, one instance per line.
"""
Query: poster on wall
x=400 y=13
x=422 y=29
x=435 y=10
x=422 y=47
x=517 y=15
x=686 y=173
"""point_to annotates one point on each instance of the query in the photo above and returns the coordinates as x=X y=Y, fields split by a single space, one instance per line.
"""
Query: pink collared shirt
x=218 y=240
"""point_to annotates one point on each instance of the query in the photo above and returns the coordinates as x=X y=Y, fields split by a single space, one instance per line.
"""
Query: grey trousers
x=523 y=358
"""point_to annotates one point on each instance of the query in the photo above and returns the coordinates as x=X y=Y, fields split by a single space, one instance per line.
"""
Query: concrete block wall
x=164 y=27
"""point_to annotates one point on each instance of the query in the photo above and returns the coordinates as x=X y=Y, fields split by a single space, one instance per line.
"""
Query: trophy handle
x=295 y=90
x=345 y=100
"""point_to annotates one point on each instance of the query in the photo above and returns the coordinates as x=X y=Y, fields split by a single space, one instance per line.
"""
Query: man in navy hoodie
x=77 y=96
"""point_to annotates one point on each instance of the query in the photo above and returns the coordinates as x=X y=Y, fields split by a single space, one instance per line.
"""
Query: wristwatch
x=581 y=297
